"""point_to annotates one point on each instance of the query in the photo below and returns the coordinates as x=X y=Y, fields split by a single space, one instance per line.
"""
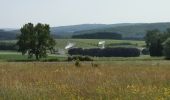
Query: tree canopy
x=35 y=40
x=154 y=40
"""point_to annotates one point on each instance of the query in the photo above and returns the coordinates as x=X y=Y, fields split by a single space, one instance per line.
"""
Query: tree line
x=8 y=46
x=106 y=52
x=98 y=35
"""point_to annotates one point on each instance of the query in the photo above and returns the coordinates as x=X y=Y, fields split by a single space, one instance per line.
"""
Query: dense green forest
x=98 y=35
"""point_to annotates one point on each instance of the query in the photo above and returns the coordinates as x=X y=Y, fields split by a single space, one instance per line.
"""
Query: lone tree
x=35 y=40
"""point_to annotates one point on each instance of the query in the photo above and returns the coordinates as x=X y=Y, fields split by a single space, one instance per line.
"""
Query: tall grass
x=127 y=80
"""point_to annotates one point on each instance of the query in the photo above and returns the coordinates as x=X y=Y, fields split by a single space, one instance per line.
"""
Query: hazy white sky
x=15 y=13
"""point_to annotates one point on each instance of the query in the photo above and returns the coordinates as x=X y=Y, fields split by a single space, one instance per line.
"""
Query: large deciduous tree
x=35 y=40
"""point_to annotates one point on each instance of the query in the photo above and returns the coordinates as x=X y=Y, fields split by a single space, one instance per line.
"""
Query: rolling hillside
x=7 y=35
x=127 y=30
x=131 y=31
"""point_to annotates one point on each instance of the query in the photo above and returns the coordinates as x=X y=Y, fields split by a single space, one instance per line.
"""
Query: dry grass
x=127 y=80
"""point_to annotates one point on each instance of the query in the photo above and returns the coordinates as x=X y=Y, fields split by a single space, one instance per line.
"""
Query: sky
x=16 y=13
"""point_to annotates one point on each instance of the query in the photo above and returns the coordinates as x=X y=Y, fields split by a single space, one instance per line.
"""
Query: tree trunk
x=37 y=57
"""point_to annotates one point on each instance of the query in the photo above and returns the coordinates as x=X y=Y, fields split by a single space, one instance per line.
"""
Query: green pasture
x=81 y=43
x=91 y=43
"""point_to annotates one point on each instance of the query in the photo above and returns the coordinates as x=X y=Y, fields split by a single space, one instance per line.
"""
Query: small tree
x=35 y=40
x=154 y=40
x=166 y=50
x=156 y=48
x=151 y=35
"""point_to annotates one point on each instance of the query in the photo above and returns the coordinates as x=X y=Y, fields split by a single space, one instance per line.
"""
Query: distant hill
x=127 y=30
x=7 y=35
x=70 y=30
x=130 y=31
x=57 y=32
x=75 y=29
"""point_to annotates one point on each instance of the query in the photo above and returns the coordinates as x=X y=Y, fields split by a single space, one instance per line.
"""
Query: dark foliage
x=99 y=35
x=107 y=52
x=154 y=40
x=156 y=49
x=8 y=46
x=36 y=40
x=80 y=58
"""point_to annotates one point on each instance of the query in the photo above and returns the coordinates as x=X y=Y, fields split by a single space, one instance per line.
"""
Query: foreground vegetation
x=102 y=78
x=128 y=80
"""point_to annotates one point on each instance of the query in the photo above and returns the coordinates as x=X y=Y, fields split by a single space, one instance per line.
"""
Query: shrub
x=107 y=52
x=77 y=63
x=80 y=58
x=75 y=51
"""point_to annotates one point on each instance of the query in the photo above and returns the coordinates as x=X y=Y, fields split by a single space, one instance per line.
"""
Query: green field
x=93 y=43
x=81 y=43
x=90 y=43
x=11 y=56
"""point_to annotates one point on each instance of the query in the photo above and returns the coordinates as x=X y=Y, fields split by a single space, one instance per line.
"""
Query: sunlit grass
x=127 y=80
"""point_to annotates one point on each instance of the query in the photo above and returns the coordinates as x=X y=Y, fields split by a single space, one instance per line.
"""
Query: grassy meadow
x=116 y=80
x=113 y=78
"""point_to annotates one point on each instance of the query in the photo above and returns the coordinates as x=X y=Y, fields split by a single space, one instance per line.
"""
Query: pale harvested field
x=121 y=80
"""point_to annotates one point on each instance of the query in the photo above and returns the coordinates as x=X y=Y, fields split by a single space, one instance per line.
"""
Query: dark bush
x=77 y=63
x=80 y=58
x=107 y=52
x=75 y=51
